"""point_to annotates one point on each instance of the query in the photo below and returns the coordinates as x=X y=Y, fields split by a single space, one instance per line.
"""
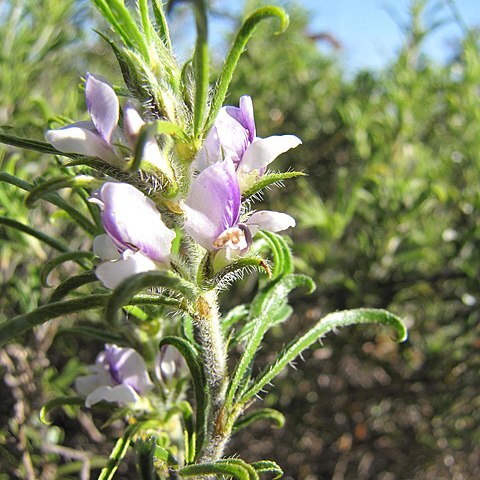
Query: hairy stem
x=210 y=337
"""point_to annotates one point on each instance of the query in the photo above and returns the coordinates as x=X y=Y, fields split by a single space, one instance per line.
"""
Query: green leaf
x=95 y=333
x=235 y=270
x=118 y=453
x=55 y=200
x=148 y=451
x=52 y=242
x=20 y=324
x=71 y=284
x=218 y=468
x=77 y=257
x=54 y=184
x=268 y=466
x=267 y=180
x=189 y=430
x=58 y=402
x=122 y=22
x=134 y=284
x=190 y=354
x=282 y=256
x=147 y=26
x=260 y=414
x=238 y=47
x=201 y=66
x=31 y=144
x=161 y=22
x=253 y=475
x=327 y=324
x=265 y=304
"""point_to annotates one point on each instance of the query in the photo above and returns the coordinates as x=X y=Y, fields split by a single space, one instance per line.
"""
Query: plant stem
x=210 y=337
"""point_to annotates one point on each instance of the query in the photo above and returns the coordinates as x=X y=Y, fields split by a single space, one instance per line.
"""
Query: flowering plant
x=171 y=177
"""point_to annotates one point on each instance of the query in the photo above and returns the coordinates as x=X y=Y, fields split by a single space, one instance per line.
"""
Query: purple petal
x=127 y=367
x=264 y=151
x=213 y=204
x=133 y=222
x=270 y=221
x=244 y=116
x=103 y=106
x=232 y=135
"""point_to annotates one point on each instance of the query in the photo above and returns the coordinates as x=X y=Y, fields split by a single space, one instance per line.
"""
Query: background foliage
x=388 y=217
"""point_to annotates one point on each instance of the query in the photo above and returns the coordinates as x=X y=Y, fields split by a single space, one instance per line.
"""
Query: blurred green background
x=388 y=217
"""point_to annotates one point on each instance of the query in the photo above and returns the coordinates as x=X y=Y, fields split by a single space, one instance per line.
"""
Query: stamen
x=233 y=237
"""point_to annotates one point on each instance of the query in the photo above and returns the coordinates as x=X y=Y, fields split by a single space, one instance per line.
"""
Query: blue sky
x=367 y=29
x=369 y=33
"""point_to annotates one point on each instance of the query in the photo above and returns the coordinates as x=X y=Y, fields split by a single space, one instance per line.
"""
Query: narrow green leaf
x=327 y=324
x=238 y=47
x=71 y=284
x=52 y=242
x=121 y=20
x=145 y=19
x=282 y=256
x=189 y=430
x=55 y=200
x=148 y=451
x=217 y=468
x=55 y=403
x=132 y=285
x=201 y=66
x=267 y=180
x=95 y=333
x=235 y=270
x=117 y=455
x=261 y=414
x=77 y=257
x=268 y=466
x=31 y=144
x=20 y=324
x=265 y=304
x=189 y=353
x=54 y=184
x=252 y=473
x=161 y=22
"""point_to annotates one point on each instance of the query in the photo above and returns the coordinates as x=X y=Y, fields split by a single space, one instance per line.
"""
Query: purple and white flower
x=213 y=212
x=94 y=137
x=99 y=136
x=136 y=241
x=119 y=375
x=233 y=135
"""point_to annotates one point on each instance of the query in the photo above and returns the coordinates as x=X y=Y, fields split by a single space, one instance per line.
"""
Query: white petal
x=123 y=394
x=81 y=140
x=87 y=384
x=270 y=221
x=112 y=274
x=264 y=151
x=104 y=248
